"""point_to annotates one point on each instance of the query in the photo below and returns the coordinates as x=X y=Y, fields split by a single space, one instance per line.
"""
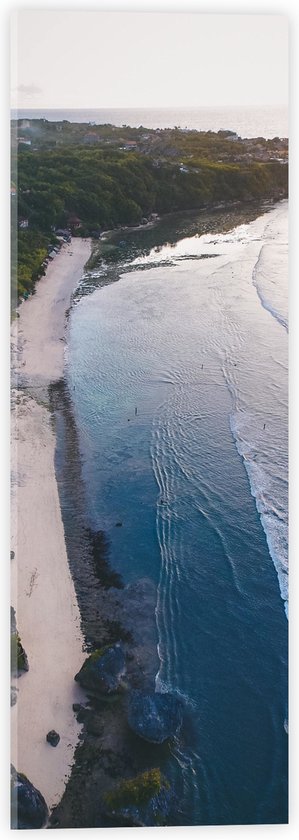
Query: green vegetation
x=93 y=657
x=18 y=658
x=93 y=178
x=32 y=252
x=137 y=791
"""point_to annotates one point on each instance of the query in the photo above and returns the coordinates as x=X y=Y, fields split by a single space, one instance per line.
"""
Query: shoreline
x=42 y=590
x=207 y=208
x=111 y=612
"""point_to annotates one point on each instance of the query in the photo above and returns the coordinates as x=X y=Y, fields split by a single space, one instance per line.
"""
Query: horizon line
x=139 y=107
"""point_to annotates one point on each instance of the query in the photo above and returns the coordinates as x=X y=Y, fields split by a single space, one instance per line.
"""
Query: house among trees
x=23 y=223
x=129 y=145
x=74 y=222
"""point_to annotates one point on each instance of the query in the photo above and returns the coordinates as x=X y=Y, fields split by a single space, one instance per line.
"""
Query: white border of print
x=289 y=8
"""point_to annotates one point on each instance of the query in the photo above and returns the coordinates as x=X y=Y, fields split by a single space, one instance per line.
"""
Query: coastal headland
x=109 y=178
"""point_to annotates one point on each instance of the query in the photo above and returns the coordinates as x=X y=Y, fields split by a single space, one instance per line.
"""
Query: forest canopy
x=90 y=189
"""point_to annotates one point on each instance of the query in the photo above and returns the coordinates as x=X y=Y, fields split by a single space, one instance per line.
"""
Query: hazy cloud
x=29 y=90
x=149 y=59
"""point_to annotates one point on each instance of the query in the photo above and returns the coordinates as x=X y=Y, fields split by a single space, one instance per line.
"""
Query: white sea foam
x=163 y=687
x=269 y=277
x=275 y=526
x=258 y=384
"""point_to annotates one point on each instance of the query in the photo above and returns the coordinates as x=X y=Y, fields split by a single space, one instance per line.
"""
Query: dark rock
x=118 y=524
x=28 y=807
x=136 y=610
x=53 y=738
x=82 y=714
x=142 y=801
x=13 y=621
x=99 y=545
x=13 y=695
x=153 y=716
x=94 y=724
x=12 y=554
x=103 y=671
x=77 y=707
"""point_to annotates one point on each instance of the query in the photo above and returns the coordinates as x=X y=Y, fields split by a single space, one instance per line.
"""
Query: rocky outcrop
x=53 y=738
x=153 y=716
x=13 y=695
x=142 y=801
x=28 y=807
x=103 y=671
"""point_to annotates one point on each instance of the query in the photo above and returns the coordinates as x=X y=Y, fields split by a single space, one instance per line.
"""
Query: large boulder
x=53 y=738
x=153 y=716
x=103 y=671
x=28 y=807
x=142 y=801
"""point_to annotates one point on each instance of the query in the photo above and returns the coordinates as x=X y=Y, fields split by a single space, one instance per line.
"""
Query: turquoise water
x=178 y=374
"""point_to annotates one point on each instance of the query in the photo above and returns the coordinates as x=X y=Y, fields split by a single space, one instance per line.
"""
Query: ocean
x=177 y=366
x=247 y=122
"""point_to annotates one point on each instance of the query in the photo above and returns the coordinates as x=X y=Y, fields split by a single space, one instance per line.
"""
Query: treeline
x=105 y=188
x=28 y=260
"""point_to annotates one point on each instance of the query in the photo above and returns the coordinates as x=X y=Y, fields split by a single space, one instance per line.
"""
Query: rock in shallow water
x=153 y=716
x=104 y=670
x=28 y=807
x=142 y=801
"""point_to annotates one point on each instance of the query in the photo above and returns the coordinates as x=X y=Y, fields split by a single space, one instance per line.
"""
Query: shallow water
x=179 y=380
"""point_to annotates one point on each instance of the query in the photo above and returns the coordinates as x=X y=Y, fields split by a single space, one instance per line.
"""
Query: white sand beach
x=42 y=590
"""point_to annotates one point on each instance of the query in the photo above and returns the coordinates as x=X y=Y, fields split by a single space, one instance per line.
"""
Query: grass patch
x=137 y=791
x=18 y=656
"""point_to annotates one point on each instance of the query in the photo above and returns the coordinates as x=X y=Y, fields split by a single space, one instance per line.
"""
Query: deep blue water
x=180 y=399
x=247 y=122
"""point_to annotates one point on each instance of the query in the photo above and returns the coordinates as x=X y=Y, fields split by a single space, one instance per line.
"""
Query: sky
x=94 y=59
